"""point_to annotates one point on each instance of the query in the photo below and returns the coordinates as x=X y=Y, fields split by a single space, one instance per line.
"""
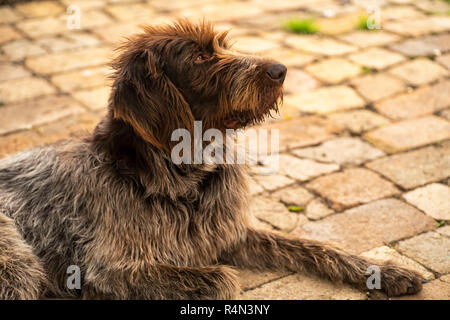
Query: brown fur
x=137 y=225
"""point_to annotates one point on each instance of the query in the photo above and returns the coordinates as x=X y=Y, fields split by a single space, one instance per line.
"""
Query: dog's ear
x=143 y=96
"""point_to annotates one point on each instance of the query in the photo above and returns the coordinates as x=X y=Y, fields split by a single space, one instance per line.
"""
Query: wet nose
x=277 y=72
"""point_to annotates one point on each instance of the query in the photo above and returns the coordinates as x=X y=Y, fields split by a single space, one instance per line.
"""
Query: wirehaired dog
x=137 y=225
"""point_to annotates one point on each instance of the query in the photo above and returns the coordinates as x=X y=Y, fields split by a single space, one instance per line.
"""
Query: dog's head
x=169 y=76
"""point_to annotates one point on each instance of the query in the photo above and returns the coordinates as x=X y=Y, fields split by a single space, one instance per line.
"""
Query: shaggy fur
x=137 y=225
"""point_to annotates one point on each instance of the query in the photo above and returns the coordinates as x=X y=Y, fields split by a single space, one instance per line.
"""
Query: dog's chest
x=193 y=229
x=208 y=223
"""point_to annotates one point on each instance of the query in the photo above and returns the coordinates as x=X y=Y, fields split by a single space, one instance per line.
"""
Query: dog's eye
x=202 y=58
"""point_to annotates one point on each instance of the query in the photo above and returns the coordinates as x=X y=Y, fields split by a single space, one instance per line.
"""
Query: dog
x=137 y=225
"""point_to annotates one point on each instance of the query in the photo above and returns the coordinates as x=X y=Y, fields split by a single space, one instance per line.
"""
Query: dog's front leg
x=266 y=250
x=163 y=282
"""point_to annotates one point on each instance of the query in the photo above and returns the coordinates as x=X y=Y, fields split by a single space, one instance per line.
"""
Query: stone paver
x=94 y=19
x=253 y=186
x=94 y=99
x=290 y=57
x=358 y=121
x=3 y=58
x=260 y=224
x=409 y=134
x=8 y=15
x=37 y=111
x=302 y=287
x=16 y=90
x=427 y=46
x=418 y=27
x=445 y=231
x=276 y=214
x=326 y=100
x=19 y=49
x=131 y=12
x=342 y=151
x=250 y=279
x=419 y=71
x=281 y=5
x=430 y=249
x=10 y=71
x=74 y=125
x=365 y=39
x=445 y=114
x=85 y=4
x=254 y=45
x=339 y=24
x=304 y=131
x=444 y=60
x=433 y=6
x=294 y=196
x=433 y=199
x=368 y=226
x=117 y=32
x=377 y=58
x=221 y=11
x=422 y=101
x=65 y=61
x=385 y=254
x=378 y=86
x=273 y=181
x=82 y=79
x=352 y=187
x=317 y=209
x=319 y=45
x=331 y=8
x=303 y=169
x=299 y=81
x=8 y=33
x=39 y=9
x=401 y=12
x=415 y=168
x=334 y=70
x=389 y=87
x=38 y=27
x=70 y=41
x=438 y=289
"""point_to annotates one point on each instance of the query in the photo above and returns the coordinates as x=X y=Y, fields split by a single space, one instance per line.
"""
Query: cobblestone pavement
x=364 y=130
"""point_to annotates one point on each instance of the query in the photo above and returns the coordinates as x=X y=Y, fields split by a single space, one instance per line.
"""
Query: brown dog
x=137 y=225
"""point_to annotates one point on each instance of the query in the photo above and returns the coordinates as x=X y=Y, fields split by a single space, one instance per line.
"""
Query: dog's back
x=40 y=200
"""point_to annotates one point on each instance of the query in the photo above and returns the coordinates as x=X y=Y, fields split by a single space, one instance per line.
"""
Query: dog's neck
x=132 y=156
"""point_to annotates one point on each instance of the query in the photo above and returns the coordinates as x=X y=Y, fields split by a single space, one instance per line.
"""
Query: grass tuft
x=295 y=209
x=366 y=70
x=303 y=26
x=362 y=23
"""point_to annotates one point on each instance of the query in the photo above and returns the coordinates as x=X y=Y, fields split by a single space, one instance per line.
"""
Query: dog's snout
x=277 y=72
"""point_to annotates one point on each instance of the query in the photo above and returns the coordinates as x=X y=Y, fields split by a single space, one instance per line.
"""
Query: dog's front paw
x=397 y=281
x=217 y=283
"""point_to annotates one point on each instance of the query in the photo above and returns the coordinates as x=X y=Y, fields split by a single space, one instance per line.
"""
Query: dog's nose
x=277 y=72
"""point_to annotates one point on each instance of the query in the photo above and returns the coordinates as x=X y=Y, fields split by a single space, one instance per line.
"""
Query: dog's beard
x=254 y=114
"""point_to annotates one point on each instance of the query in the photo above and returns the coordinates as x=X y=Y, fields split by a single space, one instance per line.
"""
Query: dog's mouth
x=242 y=119
x=267 y=108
